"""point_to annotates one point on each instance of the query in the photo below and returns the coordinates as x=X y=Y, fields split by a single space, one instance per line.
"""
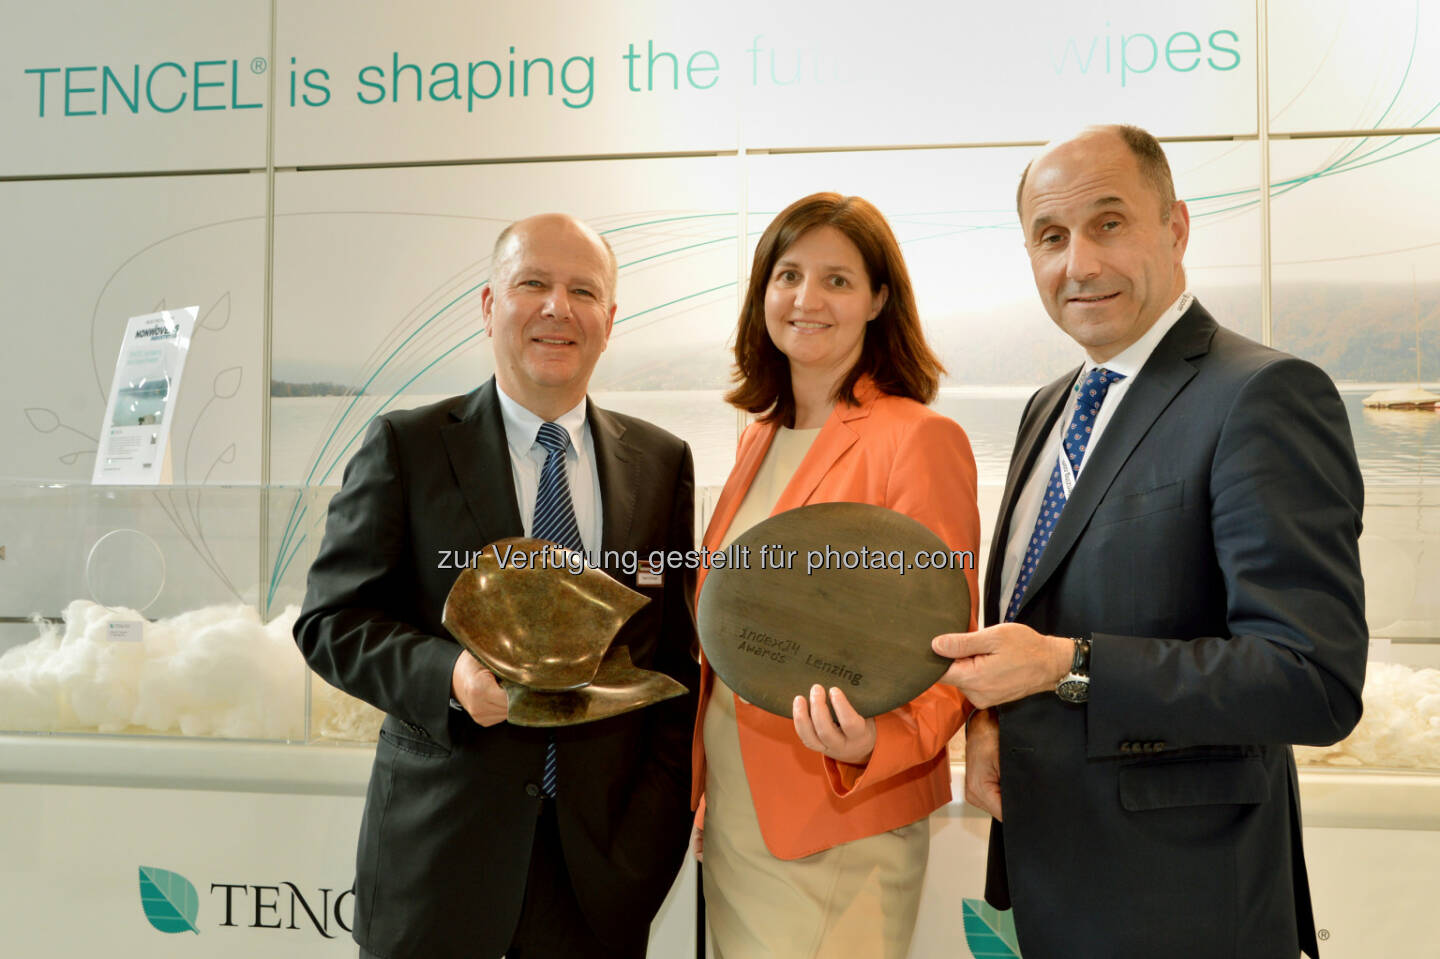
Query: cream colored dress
x=855 y=900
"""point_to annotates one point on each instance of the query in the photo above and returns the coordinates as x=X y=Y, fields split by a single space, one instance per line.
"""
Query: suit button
x=532 y=790
x=1160 y=745
x=1126 y=747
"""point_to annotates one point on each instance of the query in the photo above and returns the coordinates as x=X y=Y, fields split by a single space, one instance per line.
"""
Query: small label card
x=126 y=631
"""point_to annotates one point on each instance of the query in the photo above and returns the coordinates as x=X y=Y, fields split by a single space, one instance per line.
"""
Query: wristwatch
x=1075 y=686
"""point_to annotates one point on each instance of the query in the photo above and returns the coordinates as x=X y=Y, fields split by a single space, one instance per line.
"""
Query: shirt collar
x=1132 y=359
x=522 y=426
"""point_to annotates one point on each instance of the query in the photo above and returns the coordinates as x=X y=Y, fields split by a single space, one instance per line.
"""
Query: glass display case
x=167 y=611
x=164 y=611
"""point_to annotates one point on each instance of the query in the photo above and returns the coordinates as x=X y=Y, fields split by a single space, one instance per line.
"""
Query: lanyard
x=1067 y=472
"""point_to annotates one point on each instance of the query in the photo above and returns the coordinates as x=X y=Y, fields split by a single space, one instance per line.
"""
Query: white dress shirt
x=527 y=458
x=1027 y=505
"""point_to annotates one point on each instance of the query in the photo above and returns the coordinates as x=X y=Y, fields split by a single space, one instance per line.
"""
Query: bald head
x=1146 y=150
x=537 y=230
x=549 y=308
x=1106 y=254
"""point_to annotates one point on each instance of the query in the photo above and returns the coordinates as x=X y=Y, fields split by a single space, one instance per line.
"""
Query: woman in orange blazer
x=815 y=829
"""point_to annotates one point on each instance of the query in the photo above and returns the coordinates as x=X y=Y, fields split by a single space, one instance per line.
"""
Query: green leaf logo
x=990 y=933
x=171 y=903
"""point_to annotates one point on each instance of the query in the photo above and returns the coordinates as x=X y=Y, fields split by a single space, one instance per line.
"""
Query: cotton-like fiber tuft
x=1401 y=725
x=217 y=671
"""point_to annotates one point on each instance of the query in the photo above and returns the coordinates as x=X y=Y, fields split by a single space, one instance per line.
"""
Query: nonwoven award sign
x=134 y=437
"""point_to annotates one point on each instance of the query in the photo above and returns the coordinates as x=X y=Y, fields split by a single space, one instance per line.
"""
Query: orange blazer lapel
x=836 y=436
x=747 y=464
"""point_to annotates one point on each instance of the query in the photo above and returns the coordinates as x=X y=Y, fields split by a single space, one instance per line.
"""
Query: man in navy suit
x=1173 y=597
x=474 y=843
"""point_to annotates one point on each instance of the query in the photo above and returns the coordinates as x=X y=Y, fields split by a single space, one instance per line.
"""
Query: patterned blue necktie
x=555 y=521
x=1077 y=439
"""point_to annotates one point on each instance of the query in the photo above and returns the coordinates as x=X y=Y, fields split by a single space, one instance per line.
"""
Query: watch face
x=1074 y=689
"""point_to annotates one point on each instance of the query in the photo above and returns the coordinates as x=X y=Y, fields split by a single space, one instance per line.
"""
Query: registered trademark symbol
x=1323 y=934
x=258 y=65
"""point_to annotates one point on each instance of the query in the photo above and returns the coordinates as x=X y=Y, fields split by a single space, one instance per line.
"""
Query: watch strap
x=1074 y=686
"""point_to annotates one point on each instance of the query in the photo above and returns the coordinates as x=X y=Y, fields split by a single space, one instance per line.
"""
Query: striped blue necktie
x=554 y=521
x=1077 y=439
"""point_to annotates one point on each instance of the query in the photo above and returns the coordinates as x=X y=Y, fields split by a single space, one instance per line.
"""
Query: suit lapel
x=618 y=464
x=1040 y=418
x=480 y=460
x=1156 y=386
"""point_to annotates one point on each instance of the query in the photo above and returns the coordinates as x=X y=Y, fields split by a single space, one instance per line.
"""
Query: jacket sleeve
x=1285 y=500
x=932 y=479
x=348 y=629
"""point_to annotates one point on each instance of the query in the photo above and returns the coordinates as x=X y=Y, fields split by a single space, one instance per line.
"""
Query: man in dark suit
x=481 y=838
x=1176 y=582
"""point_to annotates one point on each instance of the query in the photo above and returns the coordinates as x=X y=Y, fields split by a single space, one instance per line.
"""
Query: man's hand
x=851 y=740
x=476 y=688
x=1003 y=663
x=982 y=762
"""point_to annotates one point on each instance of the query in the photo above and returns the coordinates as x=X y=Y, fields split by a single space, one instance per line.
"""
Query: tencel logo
x=990 y=932
x=171 y=904
x=169 y=900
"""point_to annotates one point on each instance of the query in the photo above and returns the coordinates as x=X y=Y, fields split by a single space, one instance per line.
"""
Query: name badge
x=649 y=574
x=1067 y=472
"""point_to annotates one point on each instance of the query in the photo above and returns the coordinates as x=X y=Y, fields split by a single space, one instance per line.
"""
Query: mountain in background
x=1364 y=333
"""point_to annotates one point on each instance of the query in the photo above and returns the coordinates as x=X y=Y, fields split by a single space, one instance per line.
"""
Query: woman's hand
x=850 y=740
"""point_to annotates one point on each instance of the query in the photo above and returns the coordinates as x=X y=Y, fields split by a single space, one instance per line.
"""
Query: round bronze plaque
x=841 y=594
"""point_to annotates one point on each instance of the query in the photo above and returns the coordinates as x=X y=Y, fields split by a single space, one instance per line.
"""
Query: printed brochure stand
x=134 y=437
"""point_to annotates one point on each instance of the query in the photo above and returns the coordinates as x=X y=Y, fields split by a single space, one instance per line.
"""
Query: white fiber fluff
x=219 y=671
x=337 y=715
x=1401 y=725
x=216 y=671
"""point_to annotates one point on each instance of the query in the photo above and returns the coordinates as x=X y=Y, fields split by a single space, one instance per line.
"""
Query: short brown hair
x=894 y=352
x=1149 y=156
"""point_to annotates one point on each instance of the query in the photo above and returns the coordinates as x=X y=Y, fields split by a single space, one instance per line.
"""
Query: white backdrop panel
x=93 y=86
x=77 y=259
x=1344 y=65
x=451 y=79
x=1356 y=259
x=1356 y=210
x=827 y=74
x=379 y=272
